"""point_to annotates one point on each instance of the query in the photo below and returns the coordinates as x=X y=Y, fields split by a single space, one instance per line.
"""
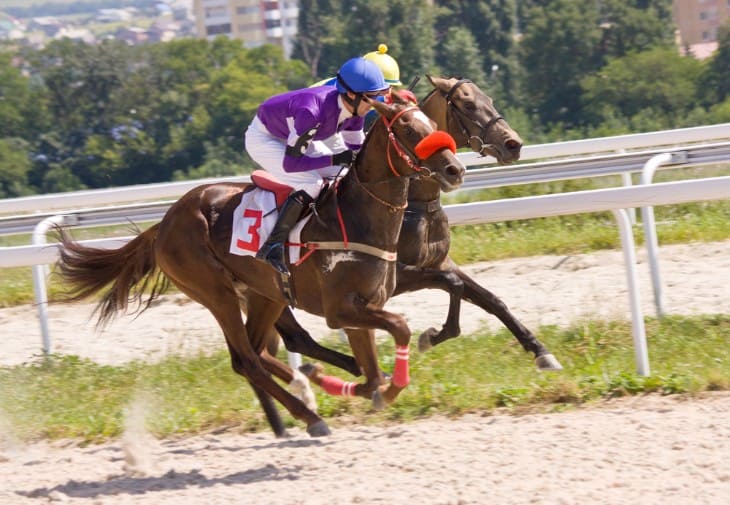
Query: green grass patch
x=65 y=396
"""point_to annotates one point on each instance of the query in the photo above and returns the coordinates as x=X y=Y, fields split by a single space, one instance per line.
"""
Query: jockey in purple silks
x=306 y=135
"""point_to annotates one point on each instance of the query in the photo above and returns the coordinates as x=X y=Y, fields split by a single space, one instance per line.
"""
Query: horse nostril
x=454 y=171
x=513 y=145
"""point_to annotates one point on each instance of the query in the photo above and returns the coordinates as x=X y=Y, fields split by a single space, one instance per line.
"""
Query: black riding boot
x=273 y=249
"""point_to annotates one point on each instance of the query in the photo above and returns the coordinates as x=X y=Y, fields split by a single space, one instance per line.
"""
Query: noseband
x=459 y=115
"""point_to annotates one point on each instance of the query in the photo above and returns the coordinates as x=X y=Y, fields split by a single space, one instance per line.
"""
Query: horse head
x=414 y=145
x=470 y=116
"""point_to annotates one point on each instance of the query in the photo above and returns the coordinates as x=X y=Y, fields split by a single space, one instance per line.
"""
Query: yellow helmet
x=387 y=65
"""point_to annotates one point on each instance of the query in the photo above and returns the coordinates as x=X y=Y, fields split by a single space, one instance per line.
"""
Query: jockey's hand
x=343 y=158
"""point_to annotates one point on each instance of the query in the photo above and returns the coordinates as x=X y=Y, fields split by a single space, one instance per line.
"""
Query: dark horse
x=459 y=107
x=348 y=285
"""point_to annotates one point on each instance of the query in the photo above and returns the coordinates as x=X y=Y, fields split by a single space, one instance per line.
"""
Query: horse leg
x=205 y=280
x=297 y=339
x=414 y=279
x=481 y=297
x=267 y=403
x=360 y=320
x=263 y=337
x=362 y=342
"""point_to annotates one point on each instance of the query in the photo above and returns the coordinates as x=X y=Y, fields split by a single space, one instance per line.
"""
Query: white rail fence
x=669 y=140
x=616 y=200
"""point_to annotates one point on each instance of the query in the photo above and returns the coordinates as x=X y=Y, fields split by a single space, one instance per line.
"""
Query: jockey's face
x=364 y=107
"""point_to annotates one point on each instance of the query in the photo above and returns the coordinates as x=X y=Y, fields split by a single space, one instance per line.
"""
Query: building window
x=218 y=29
x=214 y=12
x=273 y=23
x=253 y=9
x=270 y=6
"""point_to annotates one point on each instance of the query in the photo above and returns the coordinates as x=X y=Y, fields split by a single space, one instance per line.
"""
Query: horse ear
x=439 y=83
x=382 y=108
x=396 y=98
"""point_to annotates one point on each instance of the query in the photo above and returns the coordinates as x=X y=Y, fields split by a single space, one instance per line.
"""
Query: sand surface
x=646 y=450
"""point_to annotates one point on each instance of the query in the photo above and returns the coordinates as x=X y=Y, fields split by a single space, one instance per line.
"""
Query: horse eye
x=408 y=130
x=470 y=106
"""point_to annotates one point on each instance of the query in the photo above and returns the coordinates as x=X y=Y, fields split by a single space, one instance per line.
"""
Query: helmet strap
x=355 y=104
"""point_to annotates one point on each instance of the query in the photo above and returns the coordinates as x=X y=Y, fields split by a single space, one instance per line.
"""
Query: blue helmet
x=360 y=76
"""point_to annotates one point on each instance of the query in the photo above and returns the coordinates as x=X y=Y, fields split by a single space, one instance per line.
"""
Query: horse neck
x=371 y=198
x=423 y=190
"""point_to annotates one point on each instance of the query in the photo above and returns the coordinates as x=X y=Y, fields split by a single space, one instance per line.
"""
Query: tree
x=714 y=84
x=461 y=55
x=319 y=25
x=16 y=100
x=558 y=48
x=635 y=26
x=14 y=168
x=492 y=25
x=658 y=83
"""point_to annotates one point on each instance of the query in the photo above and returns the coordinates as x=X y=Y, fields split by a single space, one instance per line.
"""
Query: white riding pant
x=268 y=151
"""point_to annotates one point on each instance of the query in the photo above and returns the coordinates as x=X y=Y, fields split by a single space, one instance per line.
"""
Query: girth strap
x=349 y=246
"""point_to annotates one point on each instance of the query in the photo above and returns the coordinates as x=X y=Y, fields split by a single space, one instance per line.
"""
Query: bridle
x=476 y=142
x=428 y=145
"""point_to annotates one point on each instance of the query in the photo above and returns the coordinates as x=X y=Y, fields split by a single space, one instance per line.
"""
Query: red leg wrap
x=401 y=377
x=337 y=387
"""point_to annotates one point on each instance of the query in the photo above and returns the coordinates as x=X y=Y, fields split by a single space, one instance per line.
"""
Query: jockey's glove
x=343 y=158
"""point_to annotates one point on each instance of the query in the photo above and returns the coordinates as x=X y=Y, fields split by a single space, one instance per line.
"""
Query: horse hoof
x=379 y=402
x=424 y=340
x=548 y=362
x=318 y=429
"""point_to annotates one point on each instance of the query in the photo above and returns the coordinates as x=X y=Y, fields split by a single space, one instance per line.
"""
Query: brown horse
x=348 y=285
x=459 y=107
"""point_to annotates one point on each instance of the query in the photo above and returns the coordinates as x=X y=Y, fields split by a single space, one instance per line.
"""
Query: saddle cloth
x=255 y=217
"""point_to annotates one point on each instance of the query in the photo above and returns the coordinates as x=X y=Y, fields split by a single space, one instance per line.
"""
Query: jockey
x=305 y=135
x=391 y=73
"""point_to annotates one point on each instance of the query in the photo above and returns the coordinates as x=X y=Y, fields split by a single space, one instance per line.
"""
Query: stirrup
x=274 y=256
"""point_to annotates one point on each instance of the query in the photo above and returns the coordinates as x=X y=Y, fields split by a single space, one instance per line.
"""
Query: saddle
x=255 y=216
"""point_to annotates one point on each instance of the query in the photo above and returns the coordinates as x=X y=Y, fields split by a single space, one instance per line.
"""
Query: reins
x=400 y=149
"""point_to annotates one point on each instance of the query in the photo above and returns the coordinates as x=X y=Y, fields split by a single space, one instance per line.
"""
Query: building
x=698 y=21
x=255 y=22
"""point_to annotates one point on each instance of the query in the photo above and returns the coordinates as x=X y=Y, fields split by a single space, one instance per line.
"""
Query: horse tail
x=130 y=272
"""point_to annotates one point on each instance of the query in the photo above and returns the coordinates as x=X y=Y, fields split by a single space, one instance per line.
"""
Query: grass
x=65 y=396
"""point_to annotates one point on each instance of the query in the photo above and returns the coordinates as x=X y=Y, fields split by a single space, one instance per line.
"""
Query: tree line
x=75 y=116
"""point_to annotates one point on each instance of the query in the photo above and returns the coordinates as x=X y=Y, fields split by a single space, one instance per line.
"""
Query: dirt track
x=647 y=450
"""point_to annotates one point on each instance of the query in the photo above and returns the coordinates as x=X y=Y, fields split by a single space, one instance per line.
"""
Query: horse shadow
x=172 y=480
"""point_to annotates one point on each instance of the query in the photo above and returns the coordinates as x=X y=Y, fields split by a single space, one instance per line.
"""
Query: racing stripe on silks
x=401 y=377
x=337 y=387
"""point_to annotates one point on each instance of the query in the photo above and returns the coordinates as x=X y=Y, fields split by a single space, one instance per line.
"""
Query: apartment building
x=698 y=21
x=255 y=22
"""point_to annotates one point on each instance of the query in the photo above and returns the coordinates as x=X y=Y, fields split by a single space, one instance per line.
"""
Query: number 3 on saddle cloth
x=255 y=216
